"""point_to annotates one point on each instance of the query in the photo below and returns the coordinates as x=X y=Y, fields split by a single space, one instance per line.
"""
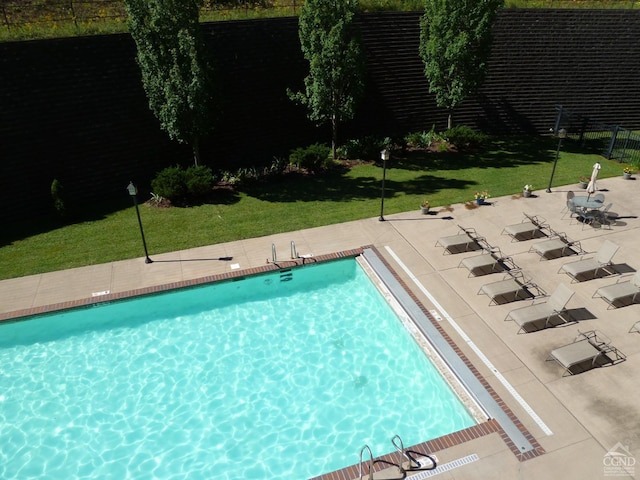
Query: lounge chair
x=490 y=261
x=619 y=291
x=555 y=307
x=530 y=227
x=463 y=242
x=588 y=350
x=635 y=327
x=514 y=286
x=558 y=245
x=593 y=265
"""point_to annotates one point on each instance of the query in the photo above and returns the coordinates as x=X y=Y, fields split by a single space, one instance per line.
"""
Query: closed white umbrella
x=591 y=187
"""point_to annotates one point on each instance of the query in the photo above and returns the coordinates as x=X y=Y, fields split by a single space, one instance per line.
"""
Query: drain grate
x=446 y=467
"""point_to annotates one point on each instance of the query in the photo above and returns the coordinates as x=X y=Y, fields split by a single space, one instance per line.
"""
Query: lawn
x=294 y=202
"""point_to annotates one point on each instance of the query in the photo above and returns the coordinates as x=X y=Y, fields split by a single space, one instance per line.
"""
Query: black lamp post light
x=562 y=134
x=384 y=155
x=133 y=191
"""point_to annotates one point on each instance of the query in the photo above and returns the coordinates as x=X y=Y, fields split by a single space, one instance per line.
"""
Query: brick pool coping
x=351 y=472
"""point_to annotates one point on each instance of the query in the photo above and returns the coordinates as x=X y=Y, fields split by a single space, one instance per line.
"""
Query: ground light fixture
x=562 y=134
x=384 y=155
x=133 y=191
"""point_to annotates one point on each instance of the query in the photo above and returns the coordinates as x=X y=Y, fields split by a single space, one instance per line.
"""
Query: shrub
x=350 y=150
x=199 y=181
x=57 y=193
x=179 y=184
x=464 y=137
x=277 y=167
x=365 y=148
x=418 y=139
x=313 y=158
x=170 y=183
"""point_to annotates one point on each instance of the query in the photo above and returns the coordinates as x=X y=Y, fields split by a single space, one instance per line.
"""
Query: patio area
x=581 y=421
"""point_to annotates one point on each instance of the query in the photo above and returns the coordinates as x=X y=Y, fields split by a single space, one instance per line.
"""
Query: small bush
x=199 y=181
x=365 y=148
x=170 y=183
x=418 y=139
x=178 y=184
x=314 y=158
x=59 y=202
x=350 y=150
x=277 y=167
x=464 y=137
x=423 y=139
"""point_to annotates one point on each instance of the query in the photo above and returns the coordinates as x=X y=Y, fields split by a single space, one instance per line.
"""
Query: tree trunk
x=195 y=146
x=334 y=137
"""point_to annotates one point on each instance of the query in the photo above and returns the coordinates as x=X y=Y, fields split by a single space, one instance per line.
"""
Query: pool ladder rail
x=412 y=463
x=410 y=455
x=294 y=254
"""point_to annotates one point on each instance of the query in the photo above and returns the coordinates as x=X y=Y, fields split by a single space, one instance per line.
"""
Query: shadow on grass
x=339 y=188
x=505 y=152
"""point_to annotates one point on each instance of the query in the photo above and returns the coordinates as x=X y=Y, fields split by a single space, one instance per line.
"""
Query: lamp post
x=562 y=134
x=133 y=191
x=384 y=155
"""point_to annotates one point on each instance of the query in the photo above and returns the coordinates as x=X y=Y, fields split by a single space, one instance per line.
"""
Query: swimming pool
x=278 y=376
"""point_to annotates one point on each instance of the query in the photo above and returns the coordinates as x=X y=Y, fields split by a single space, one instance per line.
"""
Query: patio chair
x=466 y=241
x=514 y=286
x=529 y=228
x=558 y=245
x=565 y=210
x=606 y=218
x=490 y=261
x=553 y=308
x=635 y=327
x=592 y=265
x=619 y=291
x=572 y=210
x=588 y=350
x=588 y=217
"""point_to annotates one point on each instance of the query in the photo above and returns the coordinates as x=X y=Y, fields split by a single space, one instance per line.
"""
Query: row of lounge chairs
x=590 y=348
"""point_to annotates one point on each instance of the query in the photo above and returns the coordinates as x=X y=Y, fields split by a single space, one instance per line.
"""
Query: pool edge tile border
x=537 y=448
x=23 y=314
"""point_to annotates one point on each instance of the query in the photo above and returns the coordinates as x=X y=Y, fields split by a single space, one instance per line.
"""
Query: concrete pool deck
x=581 y=421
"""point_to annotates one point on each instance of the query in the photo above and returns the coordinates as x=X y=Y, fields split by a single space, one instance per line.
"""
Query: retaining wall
x=74 y=109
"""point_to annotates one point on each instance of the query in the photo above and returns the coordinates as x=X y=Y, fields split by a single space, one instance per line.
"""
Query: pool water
x=278 y=376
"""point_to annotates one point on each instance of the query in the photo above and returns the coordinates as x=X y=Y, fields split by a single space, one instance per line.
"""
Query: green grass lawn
x=295 y=202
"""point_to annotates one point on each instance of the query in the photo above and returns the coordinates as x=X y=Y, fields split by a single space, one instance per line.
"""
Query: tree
x=336 y=68
x=174 y=75
x=455 y=43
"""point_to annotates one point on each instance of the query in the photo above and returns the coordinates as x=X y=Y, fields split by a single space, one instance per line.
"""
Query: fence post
x=612 y=143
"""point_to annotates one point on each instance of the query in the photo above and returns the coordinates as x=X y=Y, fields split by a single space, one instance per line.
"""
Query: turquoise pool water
x=279 y=376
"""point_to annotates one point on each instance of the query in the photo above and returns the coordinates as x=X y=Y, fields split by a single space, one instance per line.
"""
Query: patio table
x=587 y=203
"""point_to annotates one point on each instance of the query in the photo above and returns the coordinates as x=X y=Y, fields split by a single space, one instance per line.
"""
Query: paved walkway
x=576 y=419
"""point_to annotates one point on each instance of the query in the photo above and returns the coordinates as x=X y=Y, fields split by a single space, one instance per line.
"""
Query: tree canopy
x=455 y=44
x=336 y=66
x=175 y=76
